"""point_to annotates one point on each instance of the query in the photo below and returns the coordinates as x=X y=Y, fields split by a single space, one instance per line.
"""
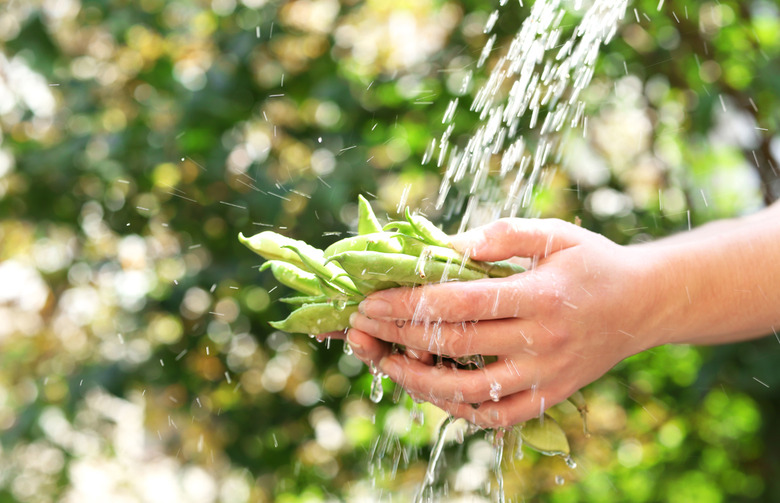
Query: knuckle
x=507 y=229
x=550 y=301
x=504 y=226
x=556 y=339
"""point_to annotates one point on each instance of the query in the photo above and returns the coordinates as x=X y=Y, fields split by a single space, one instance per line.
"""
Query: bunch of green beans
x=332 y=282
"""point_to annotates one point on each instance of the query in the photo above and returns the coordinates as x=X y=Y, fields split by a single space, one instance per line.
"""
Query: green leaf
x=546 y=436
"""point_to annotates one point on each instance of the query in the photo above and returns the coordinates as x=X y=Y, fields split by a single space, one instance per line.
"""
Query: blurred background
x=139 y=138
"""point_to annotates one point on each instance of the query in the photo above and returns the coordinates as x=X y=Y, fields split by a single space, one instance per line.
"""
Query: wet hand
x=584 y=305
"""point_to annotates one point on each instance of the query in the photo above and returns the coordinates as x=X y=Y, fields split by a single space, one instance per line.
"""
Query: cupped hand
x=585 y=304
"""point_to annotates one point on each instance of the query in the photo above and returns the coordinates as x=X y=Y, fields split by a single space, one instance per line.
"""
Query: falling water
x=430 y=473
x=530 y=99
x=527 y=106
x=377 y=391
x=498 y=446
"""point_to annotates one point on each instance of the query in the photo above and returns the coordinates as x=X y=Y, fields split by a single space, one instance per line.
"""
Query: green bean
x=492 y=269
x=401 y=268
x=335 y=279
x=411 y=245
x=273 y=246
x=376 y=241
x=367 y=221
x=427 y=231
x=314 y=319
x=369 y=286
x=294 y=277
x=331 y=274
x=300 y=300
x=402 y=227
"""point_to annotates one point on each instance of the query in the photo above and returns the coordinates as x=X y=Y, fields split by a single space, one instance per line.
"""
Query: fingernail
x=352 y=319
x=375 y=308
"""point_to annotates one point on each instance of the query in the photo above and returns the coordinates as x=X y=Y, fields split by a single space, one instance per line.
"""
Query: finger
x=424 y=357
x=451 y=339
x=371 y=350
x=454 y=302
x=366 y=348
x=518 y=237
x=436 y=383
x=338 y=335
x=505 y=413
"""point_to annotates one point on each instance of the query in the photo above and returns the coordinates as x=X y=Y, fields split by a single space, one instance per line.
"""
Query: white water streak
x=529 y=99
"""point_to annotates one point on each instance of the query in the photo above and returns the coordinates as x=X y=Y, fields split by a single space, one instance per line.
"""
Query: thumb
x=518 y=237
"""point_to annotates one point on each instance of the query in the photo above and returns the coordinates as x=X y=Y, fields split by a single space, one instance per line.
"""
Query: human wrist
x=718 y=288
x=670 y=276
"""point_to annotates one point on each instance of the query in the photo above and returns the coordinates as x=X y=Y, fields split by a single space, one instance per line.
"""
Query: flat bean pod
x=427 y=231
x=301 y=300
x=331 y=274
x=273 y=246
x=293 y=277
x=493 y=269
x=367 y=221
x=376 y=241
x=402 y=227
x=402 y=268
x=317 y=319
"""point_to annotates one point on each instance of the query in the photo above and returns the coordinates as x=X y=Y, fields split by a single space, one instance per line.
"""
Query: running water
x=527 y=105
x=423 y=494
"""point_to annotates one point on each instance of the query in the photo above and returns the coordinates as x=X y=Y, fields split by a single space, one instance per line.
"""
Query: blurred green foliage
x=139 y=138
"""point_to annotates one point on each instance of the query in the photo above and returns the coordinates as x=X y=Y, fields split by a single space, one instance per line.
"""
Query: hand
x=585 y=304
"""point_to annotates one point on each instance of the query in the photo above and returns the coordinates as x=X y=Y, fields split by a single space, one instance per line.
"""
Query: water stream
x=527 y=106
x=529 y=103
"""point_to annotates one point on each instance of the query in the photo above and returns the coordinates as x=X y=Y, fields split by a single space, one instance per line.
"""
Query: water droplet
x=376 y=389
x=495 y=391
x=570 y=462
x=491 y=22
x=430 y=474
x=460 y=436
x=347 y=349
x=416 y=413
x=559 y=480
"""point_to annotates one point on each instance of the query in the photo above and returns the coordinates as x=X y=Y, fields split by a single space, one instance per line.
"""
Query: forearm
x=724 y=285
x=719 y=227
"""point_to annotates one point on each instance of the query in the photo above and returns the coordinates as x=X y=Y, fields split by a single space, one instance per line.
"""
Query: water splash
x=377 y=390
x=533 y=88
x=495 y=391
x=498 y=446
x=433 y=462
